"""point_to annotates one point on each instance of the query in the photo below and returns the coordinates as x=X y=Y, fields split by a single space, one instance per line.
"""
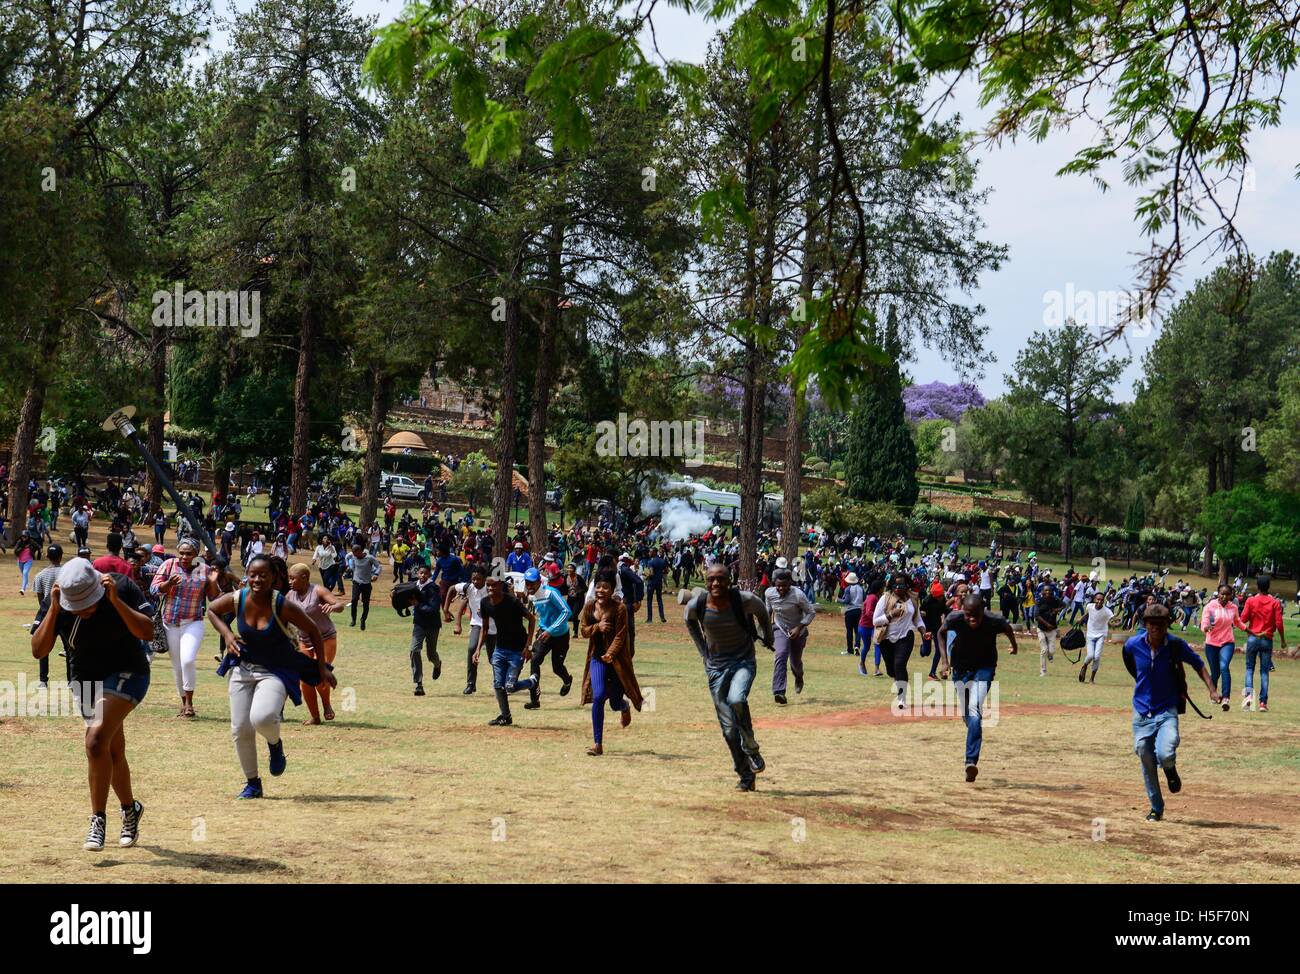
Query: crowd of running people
x=117 y=612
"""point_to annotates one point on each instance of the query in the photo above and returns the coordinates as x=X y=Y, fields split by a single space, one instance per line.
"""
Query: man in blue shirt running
x=1155 y=659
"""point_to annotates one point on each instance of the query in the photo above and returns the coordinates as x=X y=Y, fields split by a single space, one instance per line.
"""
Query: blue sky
x=1062 y=231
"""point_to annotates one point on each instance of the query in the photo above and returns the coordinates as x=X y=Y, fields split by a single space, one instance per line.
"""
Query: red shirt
x=1263 y=614
x=111 y=563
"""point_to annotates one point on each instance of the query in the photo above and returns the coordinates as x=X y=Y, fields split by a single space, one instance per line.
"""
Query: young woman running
x=318 y=603
x=183 y=584
x=25 y=554
x=1218 y=619
x=608 y=674
x=866 y=625
x=102 y=620
x=264 y=666
x=898 y=615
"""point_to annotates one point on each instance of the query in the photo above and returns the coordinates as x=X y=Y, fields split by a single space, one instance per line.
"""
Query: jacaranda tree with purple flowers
x=939 y=400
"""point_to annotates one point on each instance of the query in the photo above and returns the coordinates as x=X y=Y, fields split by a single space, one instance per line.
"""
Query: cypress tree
x=880 y=460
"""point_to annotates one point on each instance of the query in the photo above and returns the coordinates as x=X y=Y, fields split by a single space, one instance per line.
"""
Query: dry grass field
x=409 y=789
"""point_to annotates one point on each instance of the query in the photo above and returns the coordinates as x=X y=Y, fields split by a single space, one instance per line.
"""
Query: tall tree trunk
x=380 y=401
x=542 y=380
x=792 y=479
x=29 y=427
x=301 y=470
x=221 y=473
x=300 y=477
x=503 y=487
x=797 y=401
x=1207 y=559
x=158 y=386
x=759 y=312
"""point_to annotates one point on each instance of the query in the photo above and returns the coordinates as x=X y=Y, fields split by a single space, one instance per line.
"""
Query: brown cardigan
x=617 y=651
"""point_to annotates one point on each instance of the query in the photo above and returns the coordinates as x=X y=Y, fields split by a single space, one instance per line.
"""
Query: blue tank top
x=269 y=646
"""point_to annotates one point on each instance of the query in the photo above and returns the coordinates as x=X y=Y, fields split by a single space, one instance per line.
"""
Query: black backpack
x=404 y=596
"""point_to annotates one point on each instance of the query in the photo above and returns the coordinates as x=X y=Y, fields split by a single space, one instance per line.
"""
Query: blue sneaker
x=253 y=789
x=278 y=760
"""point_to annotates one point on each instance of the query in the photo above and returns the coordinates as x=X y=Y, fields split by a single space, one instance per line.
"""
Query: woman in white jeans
x=185 y=584
x=265 y=666
x=1095 y=634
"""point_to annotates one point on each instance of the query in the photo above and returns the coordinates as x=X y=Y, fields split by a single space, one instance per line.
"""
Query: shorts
x=128 y=686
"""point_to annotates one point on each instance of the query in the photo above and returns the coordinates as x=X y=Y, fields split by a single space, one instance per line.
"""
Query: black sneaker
x=534 y=695
x=564 y=690
x=1154 y=816
x=501 y=720
x=972 y=770
x=779 y=698
x=363 y=627
x=798 y=684
x=437 y=667
x=419 y=690
x=1175 y=782
x=745 y=784
x=95 y=837
x=353 y=623
x=130 y=825
x=470 y=688
x=756 y=762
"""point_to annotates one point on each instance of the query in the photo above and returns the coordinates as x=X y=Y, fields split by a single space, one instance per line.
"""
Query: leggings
x=851 y=619
x=864 y=642
x=604 y=686
x=361 y=590
x=256 y=700
x=183 y=642
x=896 y=653
x=310 y=692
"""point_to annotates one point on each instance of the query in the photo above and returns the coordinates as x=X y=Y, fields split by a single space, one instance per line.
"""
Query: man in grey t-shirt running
x=721 y=620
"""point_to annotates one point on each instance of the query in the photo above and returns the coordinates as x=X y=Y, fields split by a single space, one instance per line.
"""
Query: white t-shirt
x=474 y=596
x=326 y=555
x=1098 y=619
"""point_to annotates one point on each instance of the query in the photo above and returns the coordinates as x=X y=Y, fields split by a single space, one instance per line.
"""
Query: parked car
x=399 y=487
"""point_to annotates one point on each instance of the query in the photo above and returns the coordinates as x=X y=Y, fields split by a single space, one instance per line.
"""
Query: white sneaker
x=95 y=837
x=1245 y=702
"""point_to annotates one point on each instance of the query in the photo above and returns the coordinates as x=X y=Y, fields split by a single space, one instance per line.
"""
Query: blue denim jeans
x=972 y=687
x=729 y=684
x=506 y=664
x=1261 y=648
x=1220 y=660
x=1155 y=741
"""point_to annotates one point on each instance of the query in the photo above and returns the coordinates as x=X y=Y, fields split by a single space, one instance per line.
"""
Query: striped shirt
x=186 y=601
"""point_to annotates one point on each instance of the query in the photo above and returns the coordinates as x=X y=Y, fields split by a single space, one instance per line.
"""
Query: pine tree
x=880 y=461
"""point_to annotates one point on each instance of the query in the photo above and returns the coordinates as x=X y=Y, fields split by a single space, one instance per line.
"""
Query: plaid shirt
x=185 y=604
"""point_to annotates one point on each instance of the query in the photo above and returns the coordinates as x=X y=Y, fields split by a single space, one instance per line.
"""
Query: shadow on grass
x=209 y=862
x=789 y=793
x=1031 y=786
x=342 y=799
x=1255 y=826
x=655 y=754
